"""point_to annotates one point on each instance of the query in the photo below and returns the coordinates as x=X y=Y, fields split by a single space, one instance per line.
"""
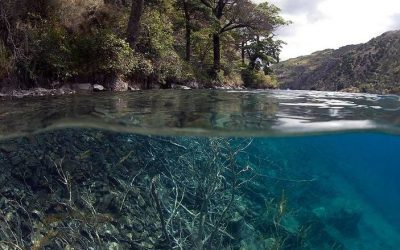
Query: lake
x=200 y=169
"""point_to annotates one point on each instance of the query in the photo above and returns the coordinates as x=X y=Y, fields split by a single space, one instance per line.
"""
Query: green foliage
x=265 y=49
x=157 y=44
x=85 y=40
x=59 y=55
x=258 y=79
x=273 y=13
x=50 y=53
x=202 y=46
x=156 y=36
x=169 y=67
x=105 y=53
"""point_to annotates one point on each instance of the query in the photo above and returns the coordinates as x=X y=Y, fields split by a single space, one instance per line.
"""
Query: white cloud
x=336 y=23
x=396 y=21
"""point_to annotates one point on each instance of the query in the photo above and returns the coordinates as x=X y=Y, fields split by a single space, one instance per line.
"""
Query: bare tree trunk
x=134 y=22
x=217 y=52
x=188 y=31
x=243 y=51
x=218 y=13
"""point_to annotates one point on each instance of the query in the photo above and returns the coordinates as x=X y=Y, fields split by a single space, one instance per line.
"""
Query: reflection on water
x=205 y=112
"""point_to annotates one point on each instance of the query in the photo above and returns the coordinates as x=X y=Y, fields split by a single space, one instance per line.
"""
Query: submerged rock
x=346 y=222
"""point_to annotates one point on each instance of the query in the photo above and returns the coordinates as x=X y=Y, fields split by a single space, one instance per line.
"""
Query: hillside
x=370 y=67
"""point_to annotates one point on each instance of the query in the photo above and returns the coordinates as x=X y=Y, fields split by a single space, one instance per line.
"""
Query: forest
x=124 y=44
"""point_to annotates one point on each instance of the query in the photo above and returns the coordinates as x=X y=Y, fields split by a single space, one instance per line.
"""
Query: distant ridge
x=370 y=67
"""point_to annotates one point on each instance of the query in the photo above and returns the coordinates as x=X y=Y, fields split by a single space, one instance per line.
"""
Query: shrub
x=366 y=88
x=105 y=53
x=50 y=53
x=56 y=54
x=157 y=44
x=169 y=67
x=257 y=79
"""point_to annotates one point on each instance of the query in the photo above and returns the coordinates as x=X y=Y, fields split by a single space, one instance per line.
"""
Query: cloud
x=305 y=7
x=287 y=31
x=396 y=22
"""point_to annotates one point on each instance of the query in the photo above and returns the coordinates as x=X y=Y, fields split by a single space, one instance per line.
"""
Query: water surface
x=205 y=112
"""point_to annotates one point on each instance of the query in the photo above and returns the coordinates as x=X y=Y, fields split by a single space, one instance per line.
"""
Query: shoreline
x=95 y=88
x=37 y=92
x=86 y=89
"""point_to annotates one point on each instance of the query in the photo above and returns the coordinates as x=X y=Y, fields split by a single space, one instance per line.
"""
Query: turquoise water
x=358 y=173
x=200 y=170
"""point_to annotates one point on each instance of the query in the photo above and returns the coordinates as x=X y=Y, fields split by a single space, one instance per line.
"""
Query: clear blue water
x=157 y=170
x=357 y=172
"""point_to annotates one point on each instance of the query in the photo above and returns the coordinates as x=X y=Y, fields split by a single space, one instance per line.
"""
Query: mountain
x=370 y=67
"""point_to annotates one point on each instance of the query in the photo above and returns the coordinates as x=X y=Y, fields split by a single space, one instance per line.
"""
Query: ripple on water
x=204 y=112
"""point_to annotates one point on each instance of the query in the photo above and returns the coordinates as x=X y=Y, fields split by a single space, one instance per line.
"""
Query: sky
x=323 y=24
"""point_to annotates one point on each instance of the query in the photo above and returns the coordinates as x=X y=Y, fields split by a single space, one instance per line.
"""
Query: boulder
x=82 y=87
x=193 y=85
x=98 y=87
x=117 y=84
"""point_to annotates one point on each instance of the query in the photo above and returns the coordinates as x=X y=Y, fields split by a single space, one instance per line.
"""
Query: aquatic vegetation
x=173 y=192
x=205 y=183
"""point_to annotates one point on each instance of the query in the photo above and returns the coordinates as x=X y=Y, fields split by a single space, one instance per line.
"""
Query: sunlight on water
x=134 y=171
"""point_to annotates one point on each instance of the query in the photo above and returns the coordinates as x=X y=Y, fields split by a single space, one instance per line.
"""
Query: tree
x=262 y=52
x=260 y=45
x=194 y=15
x=134 y=22
x=188 y=29
x=230 y=15
x=159 y=31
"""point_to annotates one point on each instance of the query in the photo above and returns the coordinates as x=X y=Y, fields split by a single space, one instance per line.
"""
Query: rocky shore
x=90 y=88
x=37 y=92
